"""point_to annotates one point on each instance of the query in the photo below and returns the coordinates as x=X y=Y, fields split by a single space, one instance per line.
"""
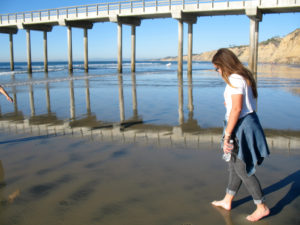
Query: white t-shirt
x=239 y=87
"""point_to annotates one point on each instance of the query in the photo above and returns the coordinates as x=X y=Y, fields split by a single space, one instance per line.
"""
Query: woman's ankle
x=228 y=198
x=262 y=206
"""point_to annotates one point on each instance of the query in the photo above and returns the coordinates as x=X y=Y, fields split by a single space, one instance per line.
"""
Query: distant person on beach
x=2 y=91
x=242 y=125
x=12 y=196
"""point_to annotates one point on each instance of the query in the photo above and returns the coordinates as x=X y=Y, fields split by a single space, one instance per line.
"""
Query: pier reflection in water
x=156 y=97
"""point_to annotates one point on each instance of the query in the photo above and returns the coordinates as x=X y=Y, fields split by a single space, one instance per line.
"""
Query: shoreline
x=166 y=59
x=137 y=134
x=174 y=59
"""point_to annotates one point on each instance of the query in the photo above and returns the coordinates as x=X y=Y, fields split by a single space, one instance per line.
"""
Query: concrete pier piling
x=120 y=47
x=37 y=27
x=28 y=51
x=11 y=47
x=121 y=98
x=253 y=46
x=133 y=45
x=78 y=24
x=255 y=17
x=190 y=20
x=10 y=31
x=45 y=52
x=85 y=42
x=133 y=22
x=70 y=56
x=180 y=46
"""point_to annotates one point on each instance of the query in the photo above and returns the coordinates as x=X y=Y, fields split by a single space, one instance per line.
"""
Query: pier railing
x=133 y=7
x=105 y=9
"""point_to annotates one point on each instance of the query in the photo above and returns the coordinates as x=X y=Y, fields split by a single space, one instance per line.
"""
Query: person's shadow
x=293 y=193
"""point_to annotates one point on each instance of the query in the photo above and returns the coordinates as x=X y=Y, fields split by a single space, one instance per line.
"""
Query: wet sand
x=71 y=180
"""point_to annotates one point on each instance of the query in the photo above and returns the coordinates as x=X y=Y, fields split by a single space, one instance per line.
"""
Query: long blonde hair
x=229 y=63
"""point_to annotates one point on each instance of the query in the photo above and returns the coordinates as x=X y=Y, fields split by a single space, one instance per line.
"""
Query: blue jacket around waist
x=251 y=140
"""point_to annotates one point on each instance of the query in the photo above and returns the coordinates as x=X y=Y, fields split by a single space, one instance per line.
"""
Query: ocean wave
x=51 y=80
x=21 y=68
x=35 y=69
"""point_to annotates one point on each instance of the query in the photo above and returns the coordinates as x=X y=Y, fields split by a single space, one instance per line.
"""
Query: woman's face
x=218 y=69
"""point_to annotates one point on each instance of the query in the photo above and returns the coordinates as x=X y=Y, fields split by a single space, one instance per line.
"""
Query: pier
x=132 y=13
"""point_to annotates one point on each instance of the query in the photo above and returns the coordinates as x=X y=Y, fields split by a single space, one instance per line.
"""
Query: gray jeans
x=237 y=175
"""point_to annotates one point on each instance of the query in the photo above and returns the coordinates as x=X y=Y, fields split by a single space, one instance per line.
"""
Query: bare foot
x=258 y=214
x=224 y=204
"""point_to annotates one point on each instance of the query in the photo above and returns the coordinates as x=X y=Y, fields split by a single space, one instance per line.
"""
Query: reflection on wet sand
x=31 y=96
x=288 y=76
x=228 y=218
x=278 y=70
x=72 y=100
x=188 y=132
x=47 y=94
x=295 y=91
x=121 y=98
x=134 y=96
x=180 y=100
x=225 y=214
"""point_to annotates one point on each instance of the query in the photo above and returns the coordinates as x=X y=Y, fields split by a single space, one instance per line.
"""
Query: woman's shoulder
x=236 y=78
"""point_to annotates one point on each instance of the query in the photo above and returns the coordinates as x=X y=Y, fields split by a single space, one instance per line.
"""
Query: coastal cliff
x=284 y=50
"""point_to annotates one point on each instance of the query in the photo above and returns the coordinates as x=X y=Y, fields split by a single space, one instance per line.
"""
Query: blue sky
x=156 y=38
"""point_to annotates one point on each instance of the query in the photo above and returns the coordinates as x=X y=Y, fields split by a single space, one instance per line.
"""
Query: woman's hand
x=227 y=147
x=9 y=98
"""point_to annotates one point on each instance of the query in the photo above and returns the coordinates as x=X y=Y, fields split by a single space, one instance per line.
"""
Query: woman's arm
x=237 y=105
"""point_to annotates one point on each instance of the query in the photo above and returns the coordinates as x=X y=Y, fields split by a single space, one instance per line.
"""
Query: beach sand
x=71 y=180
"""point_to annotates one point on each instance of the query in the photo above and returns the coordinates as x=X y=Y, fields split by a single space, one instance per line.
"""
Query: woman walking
x=242 y=125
